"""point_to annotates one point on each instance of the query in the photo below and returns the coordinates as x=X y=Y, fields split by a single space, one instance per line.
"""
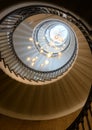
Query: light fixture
x=31 y=39
x=48 y=45
x=28 y=58
x=49 y=54
x=46 y=62
x=29 y=47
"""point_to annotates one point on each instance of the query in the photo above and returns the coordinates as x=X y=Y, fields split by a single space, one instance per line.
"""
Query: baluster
x=16 y=16
x=13 y=18
x=82 y=124
x=10 y=54
x=10 y=20
x=18 y=70
x=30 y=76
x=3 y=34
x=6 y=22
x=77 y=126
x=88 y=121
x=27 y=74
x=22 y=71
x=33 y=76
x=90 y=109
x=90 y=118
x=3 y=38
x=2 y=41
x=5 y=52
x=13 y=64
x=4 y=45
x=55 y=74
x=6 y=26
x=42 y=77
x=46 y=76
x=9 y=59
x=36 y=77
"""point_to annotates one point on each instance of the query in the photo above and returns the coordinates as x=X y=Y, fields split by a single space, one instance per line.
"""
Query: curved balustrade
x=84 y=119
x=7 y=54
x=10 y=59
x=7 y=26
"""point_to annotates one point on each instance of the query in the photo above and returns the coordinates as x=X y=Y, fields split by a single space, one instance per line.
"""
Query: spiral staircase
x=30 y=94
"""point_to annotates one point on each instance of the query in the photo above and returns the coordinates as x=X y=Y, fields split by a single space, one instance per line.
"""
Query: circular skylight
x=51 y=35
x=58 y=34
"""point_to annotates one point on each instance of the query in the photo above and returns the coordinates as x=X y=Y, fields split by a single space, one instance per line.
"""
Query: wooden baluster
x=90 y=109
x=77 y=126
x=82 y=123
x=90 y=118
x=88 y=121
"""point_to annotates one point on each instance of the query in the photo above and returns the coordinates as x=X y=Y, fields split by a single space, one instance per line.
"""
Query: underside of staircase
x=29 y=95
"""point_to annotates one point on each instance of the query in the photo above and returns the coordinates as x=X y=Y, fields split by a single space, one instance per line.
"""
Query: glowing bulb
x=41 y=51
x=37 y=43
x=49 y=54
x=56 y=48
x=46 y=62
x=28 y=58
x=56 y=37
x=59 y=54
x=29 y=47
x=32 y=64
x=31 y=39
x=41 y=47
x=33 y=59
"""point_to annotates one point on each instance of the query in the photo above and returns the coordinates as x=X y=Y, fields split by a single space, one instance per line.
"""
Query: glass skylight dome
x=57 y=34
x=52 y=36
